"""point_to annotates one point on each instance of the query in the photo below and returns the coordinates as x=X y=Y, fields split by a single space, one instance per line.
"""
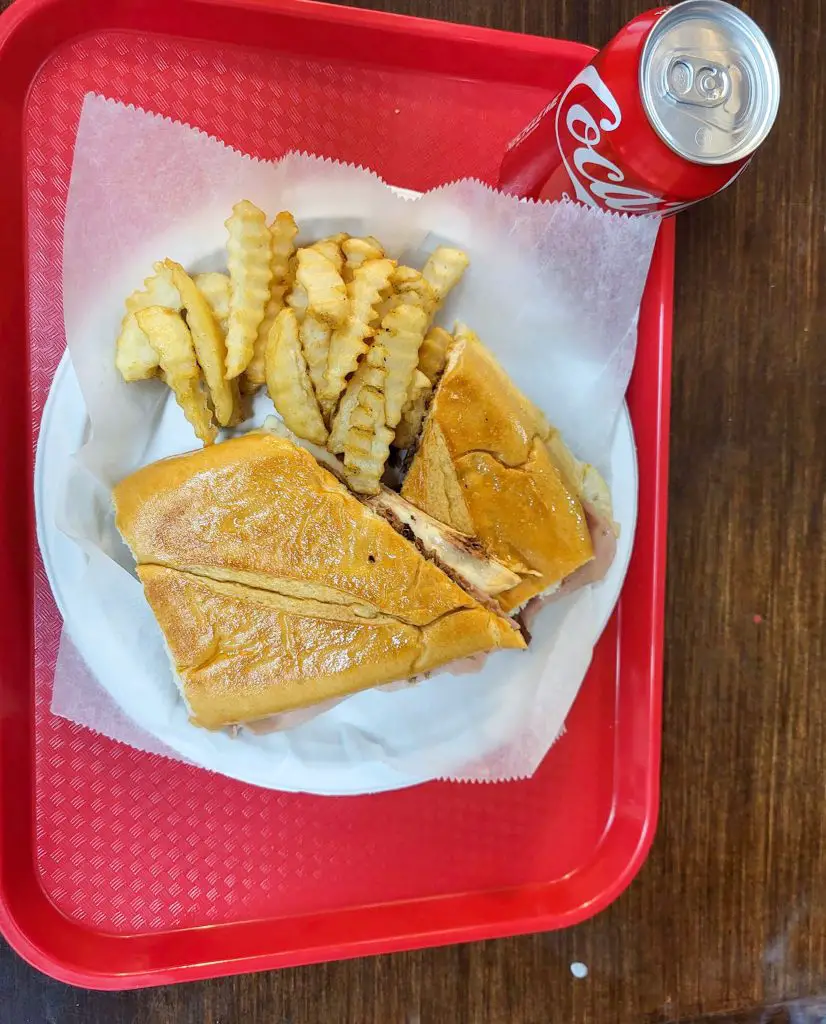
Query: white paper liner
x=553 y=290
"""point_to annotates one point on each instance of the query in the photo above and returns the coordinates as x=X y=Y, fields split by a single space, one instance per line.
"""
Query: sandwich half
x=276 y=588
x=489 y=464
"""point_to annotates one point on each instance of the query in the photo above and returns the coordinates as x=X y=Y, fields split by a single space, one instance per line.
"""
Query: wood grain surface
x=729 y=914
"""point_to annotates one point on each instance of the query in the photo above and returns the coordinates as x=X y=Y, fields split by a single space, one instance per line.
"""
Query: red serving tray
x=120 y=869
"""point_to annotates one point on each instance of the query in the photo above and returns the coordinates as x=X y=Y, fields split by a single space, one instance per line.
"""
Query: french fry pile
x=340 y=334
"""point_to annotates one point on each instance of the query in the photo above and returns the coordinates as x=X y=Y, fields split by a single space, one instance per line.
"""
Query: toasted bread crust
x=276 y=588
x=243 y=654
x=261 y=511
x=488 y=458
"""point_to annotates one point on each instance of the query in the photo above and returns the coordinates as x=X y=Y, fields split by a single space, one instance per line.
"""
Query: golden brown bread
x=432 y=482
x=243 y=654
x=276 y=588
x=489 y=464
x=261 y=511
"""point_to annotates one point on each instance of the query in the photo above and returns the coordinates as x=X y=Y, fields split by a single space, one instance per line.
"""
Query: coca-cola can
x=668 y=113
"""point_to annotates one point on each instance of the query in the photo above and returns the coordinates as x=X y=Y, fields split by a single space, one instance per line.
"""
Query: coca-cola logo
x=597 y=180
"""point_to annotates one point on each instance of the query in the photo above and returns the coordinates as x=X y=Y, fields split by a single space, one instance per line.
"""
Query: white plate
x=314 y=761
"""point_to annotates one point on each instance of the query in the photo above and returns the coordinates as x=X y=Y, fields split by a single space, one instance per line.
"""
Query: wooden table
x=729 y=913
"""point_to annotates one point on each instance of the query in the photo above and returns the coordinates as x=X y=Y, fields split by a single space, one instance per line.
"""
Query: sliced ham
x=604 y=539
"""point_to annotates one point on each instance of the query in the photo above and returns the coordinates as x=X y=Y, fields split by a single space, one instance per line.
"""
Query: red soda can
x=668 y=113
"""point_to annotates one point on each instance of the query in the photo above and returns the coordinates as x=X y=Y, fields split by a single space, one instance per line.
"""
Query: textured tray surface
x=129 y=842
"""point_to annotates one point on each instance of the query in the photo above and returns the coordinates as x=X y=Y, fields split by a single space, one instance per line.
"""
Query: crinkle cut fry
x=135 y=358
x=288 y=380
x=171 y=339
x=350 y=341
x=250 y=272
x=283 y=231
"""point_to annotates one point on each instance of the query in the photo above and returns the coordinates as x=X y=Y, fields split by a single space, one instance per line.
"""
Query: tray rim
x=433 y=921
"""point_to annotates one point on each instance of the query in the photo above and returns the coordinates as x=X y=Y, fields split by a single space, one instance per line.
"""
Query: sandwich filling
x=461 y=554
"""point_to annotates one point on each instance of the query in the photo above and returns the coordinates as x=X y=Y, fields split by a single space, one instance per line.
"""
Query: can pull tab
x=700 y=83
